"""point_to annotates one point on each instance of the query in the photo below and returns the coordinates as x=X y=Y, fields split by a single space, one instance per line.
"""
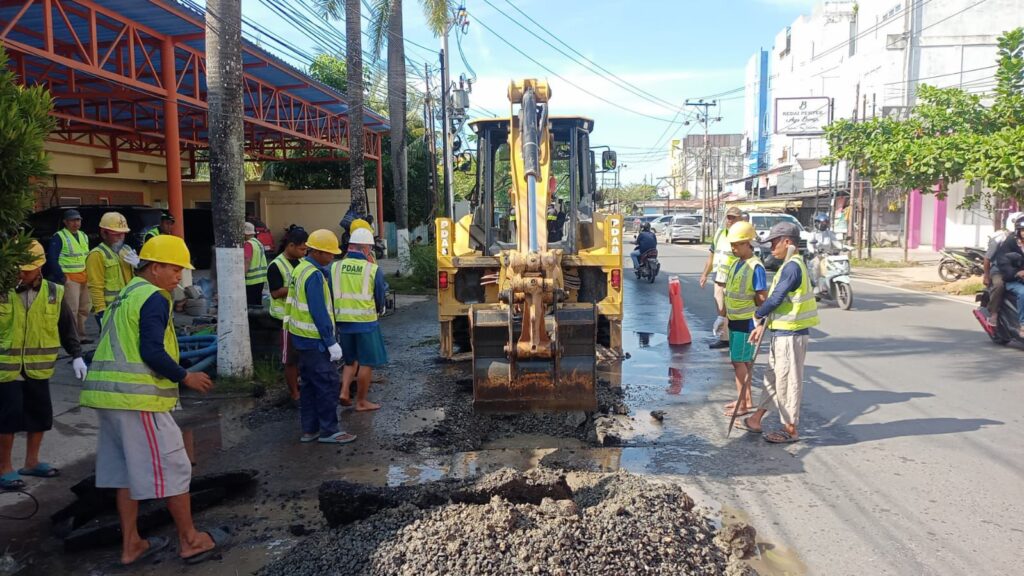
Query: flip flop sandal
x=338 y=438
x=41 y=470
x=307 y=438
x=728 y=412
x=156 y=544
x=744 y=424
x=220 y=537
x=785 y=437
x=11 y=481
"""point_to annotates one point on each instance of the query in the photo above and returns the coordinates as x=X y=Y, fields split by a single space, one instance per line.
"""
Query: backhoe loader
x=531 y=280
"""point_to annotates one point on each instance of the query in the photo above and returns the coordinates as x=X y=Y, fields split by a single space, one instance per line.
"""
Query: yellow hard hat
x=167 y=249
x=115 y=222
x=741 y=232
x=38 y=257
x=359 y=223
x=324 y=241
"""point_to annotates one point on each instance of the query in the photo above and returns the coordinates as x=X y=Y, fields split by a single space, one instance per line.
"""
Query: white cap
x=361 y=236
x=249 y=228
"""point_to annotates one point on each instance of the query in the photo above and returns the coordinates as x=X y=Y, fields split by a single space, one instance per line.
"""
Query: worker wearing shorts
x=746 y=286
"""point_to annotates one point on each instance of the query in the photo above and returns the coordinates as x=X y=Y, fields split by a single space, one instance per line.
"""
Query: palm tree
x=388 y=27
x=227 y=181
x=354 y=77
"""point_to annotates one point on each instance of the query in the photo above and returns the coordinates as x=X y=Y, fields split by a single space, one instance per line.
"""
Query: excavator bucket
x=564 y=382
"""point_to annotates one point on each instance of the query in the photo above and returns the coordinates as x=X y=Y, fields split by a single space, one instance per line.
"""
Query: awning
x=753 y=205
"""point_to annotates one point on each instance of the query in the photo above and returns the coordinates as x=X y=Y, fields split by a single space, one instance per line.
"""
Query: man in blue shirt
x=645 y=240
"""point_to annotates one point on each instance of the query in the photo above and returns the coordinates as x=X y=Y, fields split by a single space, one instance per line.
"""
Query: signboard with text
x=802 y=116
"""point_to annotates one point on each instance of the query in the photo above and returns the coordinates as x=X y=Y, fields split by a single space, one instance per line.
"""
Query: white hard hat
x=361 y=236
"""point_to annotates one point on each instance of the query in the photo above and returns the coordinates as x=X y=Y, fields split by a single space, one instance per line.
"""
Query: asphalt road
x=910 y=460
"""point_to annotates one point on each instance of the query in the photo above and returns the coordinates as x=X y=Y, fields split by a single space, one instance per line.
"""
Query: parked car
x=636 y=221
x=684 y=228
x=660 y=224
x=763 y=222
x=45 y=223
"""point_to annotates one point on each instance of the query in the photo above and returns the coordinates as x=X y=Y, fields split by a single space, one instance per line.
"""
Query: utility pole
x=428 y=122
x=704 y=119
x=446 y=146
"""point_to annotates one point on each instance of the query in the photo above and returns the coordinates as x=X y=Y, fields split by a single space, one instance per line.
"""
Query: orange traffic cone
x=678 y=332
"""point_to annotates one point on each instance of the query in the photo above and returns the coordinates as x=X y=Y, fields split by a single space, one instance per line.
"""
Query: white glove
x=335 y=351
x=717 y=326
x=130 y=256
x=80 y=370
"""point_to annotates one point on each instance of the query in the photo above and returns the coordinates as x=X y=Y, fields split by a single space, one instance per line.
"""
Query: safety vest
x=297 y=317
x=113 y=279
x=724 y=258
x=118 y=379
x=552 y=215
x=28 y=338
x=739 y=290
x=151 y=233
x=257 y=272
x=798 y=310
x=284 y=266
x=352 y=284
x=74 y=249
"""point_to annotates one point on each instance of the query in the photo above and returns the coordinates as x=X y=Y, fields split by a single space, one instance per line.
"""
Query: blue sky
x=669 y=49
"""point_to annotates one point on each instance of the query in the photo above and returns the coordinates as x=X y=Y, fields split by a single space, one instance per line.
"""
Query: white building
x=860 y=59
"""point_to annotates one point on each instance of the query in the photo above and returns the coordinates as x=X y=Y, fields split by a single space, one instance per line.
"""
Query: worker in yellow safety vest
x=34 y=322
x=109 y=266
x=746 y=288
x=359 y=293
x=310 y=317
x=65 y=265
x=133 y=386
x=279 y=277
x=255 y=267
x=166 y=226
x=791 y=311
x=719 y=262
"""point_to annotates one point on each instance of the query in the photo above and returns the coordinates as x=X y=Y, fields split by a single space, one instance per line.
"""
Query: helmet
x=167 y=249
x=646 y=226
x=741 y=232
x=324 y=241
x=1019 y=225
x=1012 y=219
x=249 y=228
x=35 y=249
x=361 y=236
x=359 y=223
x=821 y=221
x=115 y=222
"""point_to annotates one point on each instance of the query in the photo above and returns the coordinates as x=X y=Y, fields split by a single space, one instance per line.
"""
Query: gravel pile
x=618 y=524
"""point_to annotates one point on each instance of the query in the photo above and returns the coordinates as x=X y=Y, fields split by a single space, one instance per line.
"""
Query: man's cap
x=72 y=214
x=783 y=230
x=249 y=228
x=167 y=216
x=734 y=211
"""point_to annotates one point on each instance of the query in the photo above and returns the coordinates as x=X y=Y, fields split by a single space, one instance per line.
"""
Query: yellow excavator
x=531 y=279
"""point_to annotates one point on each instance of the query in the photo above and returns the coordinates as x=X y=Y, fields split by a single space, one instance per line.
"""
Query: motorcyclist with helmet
x=645 y=240
x=993 y=277
x=1010 y=260
x=823 y=243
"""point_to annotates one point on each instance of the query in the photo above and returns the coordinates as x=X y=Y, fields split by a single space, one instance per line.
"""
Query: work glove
x=130 y=256
x=80 y=369
x=717 y=326
x=335 y=352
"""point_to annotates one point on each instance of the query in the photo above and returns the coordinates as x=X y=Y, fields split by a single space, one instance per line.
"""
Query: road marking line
x=923 y=293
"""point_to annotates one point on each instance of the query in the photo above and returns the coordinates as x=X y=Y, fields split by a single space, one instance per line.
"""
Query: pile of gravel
x=618 y=524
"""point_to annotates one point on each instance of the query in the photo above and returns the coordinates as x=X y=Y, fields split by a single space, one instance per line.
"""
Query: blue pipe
x=203 y=364
x=197 y=338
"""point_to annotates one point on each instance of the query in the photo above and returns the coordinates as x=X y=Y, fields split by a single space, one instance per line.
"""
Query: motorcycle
x=835 y=285
x=649 y=266
x=958 y=264
x=1007 y=327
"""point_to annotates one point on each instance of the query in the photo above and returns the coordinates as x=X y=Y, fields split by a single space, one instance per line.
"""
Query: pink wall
x=914 y=219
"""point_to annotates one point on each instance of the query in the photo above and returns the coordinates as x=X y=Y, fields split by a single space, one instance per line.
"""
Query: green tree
x=626 y=198
x=25 y=122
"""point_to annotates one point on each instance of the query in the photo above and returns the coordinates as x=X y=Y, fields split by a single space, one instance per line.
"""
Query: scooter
x=649 y=266
x=958 y=264
x=835 y=285
x=1007 y=327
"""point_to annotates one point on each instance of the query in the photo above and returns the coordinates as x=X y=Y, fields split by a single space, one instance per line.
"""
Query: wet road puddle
x=422 y=420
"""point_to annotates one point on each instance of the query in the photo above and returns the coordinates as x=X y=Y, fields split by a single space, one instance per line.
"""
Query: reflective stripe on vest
x=798 y=310
x=118 y=379
x=352 y=284
x=29 y=339
x=724 y=258
x=298 y=319
x=257 y=272
x=278 y=305
x=113 y=280
x=74 y=248
x=739 y=290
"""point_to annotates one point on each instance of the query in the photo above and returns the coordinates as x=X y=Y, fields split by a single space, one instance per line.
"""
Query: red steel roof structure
x=130 y=76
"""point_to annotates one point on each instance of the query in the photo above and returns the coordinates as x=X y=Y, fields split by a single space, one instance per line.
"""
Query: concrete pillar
x=914 y=219
x=939 y=229
x=172 y=144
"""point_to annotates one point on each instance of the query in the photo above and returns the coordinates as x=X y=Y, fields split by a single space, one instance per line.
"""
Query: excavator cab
x=530 y=280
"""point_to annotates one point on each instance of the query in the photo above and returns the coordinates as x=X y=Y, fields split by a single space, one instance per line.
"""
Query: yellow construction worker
x=746 y=288
x=358 y=289
x=133 y=385
x=34 y=321
x=65 y=265
x=309 y=316
x=279 y=277
x=166 y=226
x=720 y=261
x=255 y=267
x=109 y=266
